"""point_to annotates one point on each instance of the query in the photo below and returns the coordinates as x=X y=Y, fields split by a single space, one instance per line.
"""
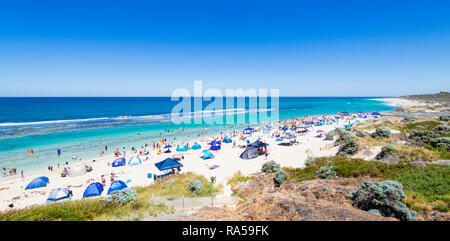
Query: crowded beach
x=289 y=142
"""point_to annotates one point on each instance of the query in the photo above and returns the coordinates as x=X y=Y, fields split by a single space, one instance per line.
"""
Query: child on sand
x=103 y=181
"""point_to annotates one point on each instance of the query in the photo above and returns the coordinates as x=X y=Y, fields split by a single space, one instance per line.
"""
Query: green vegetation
x=279 y=178
x=381 y=133
x=238 y=178
x=177 y=186
x=270 y=167
x=95 y=209
x=348 y=145
x=195 y=187
x=430 y=184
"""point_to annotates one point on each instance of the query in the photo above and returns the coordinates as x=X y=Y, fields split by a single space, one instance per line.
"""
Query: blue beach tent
x=215 y=147
x=196 y=146
x=285 y=128
x=207 y=154
x=59 y=195
x=376 y=113
x=227 y=140
x=119 y=162
x=168 y=163
x=116 y=185
x=94 y=189
x=37 y=183
x=214 y=142
x=182 y=148
x=134 y=161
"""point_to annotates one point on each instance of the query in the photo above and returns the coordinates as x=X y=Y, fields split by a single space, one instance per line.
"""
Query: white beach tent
x=77 y=170
x=134 y=161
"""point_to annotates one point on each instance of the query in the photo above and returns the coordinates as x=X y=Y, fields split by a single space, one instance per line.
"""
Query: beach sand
x=227 y=158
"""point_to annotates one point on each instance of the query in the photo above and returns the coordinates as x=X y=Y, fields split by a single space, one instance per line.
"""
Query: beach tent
x=285 y=128
x=248 y=130
x=116 y=185
x=168 y=163
x=119 y=162
x=77 y=170
x=227 y=140
x=94 y=189
x=37 y=183
x=376 y=113
x=134 y=161
x=215 y=147
x=182 y=148
x=196 y=146
x=258 y=144
x=59 y=195
x=249 y=153
x=207 y=154
x=214 y=142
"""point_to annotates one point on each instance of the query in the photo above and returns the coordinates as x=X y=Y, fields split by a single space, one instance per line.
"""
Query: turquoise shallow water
x=82 y=126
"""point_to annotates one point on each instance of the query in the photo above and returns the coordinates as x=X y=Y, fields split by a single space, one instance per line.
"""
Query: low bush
x=386 y=150
x=381 y=133
x=121 y=197
x=270 y=167
x=327 y=171
x=385 y=196
x=279 y=178
x=195 y=187
x=444 y=118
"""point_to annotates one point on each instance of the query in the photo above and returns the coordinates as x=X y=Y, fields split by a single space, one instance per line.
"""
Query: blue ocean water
x=82 y=126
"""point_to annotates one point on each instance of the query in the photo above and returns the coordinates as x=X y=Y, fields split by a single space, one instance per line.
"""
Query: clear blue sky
x=149 y=48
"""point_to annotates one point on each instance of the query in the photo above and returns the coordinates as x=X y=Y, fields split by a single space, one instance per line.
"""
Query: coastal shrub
x=442 y=129
x=422 y=125
x=309 y=162
x=428 y=183
x=121 y=197
x=327 y=171
x=444 y=118
x=386 y=150
x=361 y=134
x=195 y=186
x=348 y=144
x=441 y=142
x=409 y=119
x=422 y=137
x=279 y=178
x=270 y=167
x=381 y=133
x=385 y=196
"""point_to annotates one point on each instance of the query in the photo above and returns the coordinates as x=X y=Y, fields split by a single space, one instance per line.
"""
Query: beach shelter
x=248 y=130
x=285 y=128
x=215 y=142
x=134 y=161
x=196 y=146
x=227 y=140
x=376 y=113
x=119 y=162
x=94 y=189
x=37 y=183
x=249 y=153
x=77 y=170
x=258 y=144
x=59 y=195
x=168 y=163
x=215 y=147
x=182 y=148
x=116 y=185
x=207 y=154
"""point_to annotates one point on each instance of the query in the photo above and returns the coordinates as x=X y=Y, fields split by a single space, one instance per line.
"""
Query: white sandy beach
x=227 y=158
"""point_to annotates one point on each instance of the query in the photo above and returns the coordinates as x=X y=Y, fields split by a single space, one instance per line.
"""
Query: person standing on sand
x=103 y=181
x=21 y=173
